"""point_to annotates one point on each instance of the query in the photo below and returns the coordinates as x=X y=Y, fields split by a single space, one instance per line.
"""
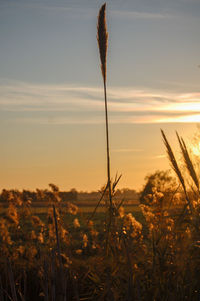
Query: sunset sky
x=51 y=98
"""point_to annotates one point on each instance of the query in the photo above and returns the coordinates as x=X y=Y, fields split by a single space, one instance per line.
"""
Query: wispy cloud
x=160 y=156
x=68 y=8
x=127 y=150
x=139 y=14
x=82 y=104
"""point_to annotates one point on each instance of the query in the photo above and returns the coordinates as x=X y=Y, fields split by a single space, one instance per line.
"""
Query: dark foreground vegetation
x=149 y=253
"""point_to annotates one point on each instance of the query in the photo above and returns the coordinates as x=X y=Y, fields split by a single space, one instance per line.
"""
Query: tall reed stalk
x=102 y=38
x=176 y=167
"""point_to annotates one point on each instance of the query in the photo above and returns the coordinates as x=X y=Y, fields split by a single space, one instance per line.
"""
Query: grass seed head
x=102 y=38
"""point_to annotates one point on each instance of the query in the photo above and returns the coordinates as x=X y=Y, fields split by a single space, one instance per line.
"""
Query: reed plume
x=102 y=38
x=188 y=161
x=176 y=168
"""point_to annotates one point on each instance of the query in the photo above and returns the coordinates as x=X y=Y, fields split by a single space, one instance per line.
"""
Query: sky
x=51 y=95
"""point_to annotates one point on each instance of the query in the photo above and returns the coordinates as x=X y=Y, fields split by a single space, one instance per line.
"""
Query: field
x=59 y=251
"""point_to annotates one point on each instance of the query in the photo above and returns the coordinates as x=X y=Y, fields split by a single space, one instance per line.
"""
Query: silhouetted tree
x=161 y=180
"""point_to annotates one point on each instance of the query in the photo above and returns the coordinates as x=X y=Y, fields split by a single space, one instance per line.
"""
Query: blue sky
x=51 y=98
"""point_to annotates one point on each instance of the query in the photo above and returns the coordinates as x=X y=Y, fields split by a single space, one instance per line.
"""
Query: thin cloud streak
x=99 y=120
x=126 y=105
x=127 y=150
x=159 y=156
x=139 y=15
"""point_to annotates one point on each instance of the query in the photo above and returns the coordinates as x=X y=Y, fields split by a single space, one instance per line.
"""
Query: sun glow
x=196 y=149
x=191 y=118
x=188 y=106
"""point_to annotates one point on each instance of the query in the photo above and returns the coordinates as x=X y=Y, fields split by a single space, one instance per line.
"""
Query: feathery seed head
x=102 y=38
